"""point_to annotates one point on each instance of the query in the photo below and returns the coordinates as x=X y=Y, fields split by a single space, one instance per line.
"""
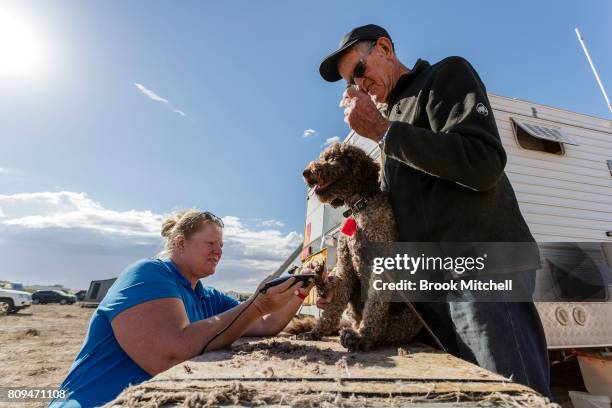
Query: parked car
x=11 y=301
x=80 y=295
x=53 y=296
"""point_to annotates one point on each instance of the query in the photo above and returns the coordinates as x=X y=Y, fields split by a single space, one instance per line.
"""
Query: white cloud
x=70 y=210
x=83 y=240
x=271 y=223
x=152 y=95
x=257 y=246
x=331 y=140
x=309 y=132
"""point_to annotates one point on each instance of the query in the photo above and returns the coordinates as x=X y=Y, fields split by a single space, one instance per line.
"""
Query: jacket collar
x=404 y=81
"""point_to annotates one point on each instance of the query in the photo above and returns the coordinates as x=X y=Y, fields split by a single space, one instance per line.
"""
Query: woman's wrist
x=257 y=308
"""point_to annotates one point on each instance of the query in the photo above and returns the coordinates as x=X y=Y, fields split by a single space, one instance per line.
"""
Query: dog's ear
x=366 y=175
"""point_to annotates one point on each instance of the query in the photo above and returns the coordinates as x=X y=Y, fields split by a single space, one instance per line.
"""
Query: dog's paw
x=311 y=335
x=353 y=341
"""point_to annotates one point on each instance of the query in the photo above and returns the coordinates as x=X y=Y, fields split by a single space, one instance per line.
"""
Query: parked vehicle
x=11 y=301
x=53 y=296
x=96 y=292
x=80 y=295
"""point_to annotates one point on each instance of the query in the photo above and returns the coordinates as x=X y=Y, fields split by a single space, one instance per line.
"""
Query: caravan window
x=578 y=273
x=539 y=137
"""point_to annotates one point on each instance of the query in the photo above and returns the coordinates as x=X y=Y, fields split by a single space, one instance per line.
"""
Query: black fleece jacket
x=443 y=161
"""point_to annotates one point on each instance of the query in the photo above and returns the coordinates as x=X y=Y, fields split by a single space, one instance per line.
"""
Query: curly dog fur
x=343 y=175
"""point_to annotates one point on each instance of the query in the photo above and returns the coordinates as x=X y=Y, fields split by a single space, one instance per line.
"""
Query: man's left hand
x=361 y=115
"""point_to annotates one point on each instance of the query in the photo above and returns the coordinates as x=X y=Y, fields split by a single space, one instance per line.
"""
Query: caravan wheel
x=63 y=302
x=35 y=301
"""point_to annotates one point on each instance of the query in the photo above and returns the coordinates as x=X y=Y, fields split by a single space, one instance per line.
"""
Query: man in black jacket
x=443 y=166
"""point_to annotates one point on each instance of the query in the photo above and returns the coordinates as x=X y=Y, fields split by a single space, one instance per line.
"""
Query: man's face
x=377 y=79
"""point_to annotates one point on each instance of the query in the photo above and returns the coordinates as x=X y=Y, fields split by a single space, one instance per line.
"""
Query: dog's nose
x=306 y=173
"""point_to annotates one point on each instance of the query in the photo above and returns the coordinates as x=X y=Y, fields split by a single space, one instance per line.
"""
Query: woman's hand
x=275 y=297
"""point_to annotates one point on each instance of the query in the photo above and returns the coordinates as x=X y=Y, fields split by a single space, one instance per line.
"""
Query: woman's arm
x=158 y=335
x=272 y=324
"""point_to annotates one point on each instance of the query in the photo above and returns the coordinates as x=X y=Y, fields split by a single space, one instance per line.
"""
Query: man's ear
x=386 y=46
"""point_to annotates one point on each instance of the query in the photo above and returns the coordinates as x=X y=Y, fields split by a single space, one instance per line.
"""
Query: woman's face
x=202 y=251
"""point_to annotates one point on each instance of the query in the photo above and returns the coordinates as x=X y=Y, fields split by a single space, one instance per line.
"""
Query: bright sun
x=21 y=49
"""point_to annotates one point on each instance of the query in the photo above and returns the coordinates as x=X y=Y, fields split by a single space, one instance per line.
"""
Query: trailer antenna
x=586 y=52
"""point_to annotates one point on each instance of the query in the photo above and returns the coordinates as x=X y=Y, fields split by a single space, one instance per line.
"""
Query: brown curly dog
x=346 y=175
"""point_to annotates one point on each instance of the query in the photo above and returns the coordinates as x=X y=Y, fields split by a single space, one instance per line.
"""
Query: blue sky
x=137 y=108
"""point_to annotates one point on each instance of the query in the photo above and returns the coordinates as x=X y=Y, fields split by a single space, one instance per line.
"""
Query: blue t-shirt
x=102 y=369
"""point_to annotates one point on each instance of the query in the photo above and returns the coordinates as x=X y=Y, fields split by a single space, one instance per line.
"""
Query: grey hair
x=369 y=43
x=185 y=223
x=363 y=45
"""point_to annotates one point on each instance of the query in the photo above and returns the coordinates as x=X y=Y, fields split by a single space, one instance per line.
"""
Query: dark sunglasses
x=210 y=216
x=360 y=68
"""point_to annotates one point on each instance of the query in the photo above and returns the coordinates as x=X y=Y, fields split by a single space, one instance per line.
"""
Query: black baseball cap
x=329 y=66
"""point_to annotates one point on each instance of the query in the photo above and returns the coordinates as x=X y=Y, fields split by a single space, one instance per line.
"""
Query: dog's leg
x=341 y=287
x=402 y=327
x=329 y=322
x=375 y=316
x=375 y=313
x=372 y=328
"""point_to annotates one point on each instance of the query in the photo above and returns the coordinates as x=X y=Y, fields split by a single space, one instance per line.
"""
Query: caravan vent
x=547 y=133
x=535 y=136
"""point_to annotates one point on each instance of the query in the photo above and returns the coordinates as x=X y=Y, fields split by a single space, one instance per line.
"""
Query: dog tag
x=349 y=227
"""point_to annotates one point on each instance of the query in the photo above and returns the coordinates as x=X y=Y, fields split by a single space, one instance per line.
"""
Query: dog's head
x=342 y=171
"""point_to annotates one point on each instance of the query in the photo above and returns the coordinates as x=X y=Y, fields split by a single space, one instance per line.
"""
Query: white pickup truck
x=11 y=301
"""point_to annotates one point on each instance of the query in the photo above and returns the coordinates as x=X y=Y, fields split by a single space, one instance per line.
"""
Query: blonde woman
x=158 y=314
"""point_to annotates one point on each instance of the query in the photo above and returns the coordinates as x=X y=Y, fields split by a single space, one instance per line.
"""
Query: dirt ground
x=38 y=345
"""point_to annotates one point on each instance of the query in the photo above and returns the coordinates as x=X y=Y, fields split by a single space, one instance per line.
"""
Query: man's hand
x=361 y=115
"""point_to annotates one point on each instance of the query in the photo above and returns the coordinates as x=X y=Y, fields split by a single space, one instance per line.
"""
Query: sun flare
x=21 y=48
